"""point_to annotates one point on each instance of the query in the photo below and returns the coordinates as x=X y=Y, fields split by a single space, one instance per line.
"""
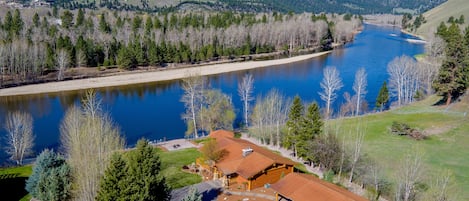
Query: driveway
x=208 y=189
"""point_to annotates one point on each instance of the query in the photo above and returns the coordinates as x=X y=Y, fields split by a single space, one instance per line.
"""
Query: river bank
x=146 y=77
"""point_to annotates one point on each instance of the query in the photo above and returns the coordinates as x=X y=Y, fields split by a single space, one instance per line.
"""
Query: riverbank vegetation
x=39 y=45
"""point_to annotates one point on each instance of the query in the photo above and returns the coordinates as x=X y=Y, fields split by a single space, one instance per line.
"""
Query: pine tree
x=148 y=26
x=383 y=96
x=311 y=127
x=7 y=22
x=134 y=176
x=67 y=19
x=466 y=37
x=452 y=79
x=125 y=58
x=17 y=23
x=143 y=181
x=137 y=23
x=293 y=123
x=36 y=20
x=112 y=185
x=154 y=58
x=139 y=52
x=51 y=178
x=103 y=25
x=312 y=122
x=80 y=18
x=461 y=19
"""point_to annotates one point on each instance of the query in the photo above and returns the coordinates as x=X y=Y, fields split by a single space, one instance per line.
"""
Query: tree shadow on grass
x=12 y=187
x=211 y=194
x=441 y=102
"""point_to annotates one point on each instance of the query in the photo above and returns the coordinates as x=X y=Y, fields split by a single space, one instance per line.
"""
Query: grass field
x=441 y=13
x=12 y=181
x=447 y=148
x=171 y=167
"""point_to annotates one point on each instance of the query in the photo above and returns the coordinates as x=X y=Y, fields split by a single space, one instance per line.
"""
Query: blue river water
x=154 y=110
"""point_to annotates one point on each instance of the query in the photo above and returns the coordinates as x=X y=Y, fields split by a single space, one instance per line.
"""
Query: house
x=246 y=164
x=303 y=187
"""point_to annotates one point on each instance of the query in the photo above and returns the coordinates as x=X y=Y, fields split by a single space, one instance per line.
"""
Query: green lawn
x=446 y=149
x=12 y=180
x=171 y=166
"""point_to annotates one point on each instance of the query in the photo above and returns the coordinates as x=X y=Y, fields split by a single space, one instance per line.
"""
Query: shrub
x=51 y=178
x=399 y=128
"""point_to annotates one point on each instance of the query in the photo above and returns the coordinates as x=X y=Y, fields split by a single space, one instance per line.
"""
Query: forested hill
x=317 y=6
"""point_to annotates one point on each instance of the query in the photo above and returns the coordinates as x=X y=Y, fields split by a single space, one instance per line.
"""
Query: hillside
x=441 y=13
x=444 y=150
x=316 y=6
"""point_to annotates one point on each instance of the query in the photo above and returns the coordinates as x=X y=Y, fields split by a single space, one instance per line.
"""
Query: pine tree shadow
x=441 y=102
x=211 y=194
x=455 y=98
x=12 y=187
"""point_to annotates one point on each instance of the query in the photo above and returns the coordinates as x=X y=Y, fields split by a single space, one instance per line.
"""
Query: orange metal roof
x=221 y=133
x=302 y=187
x=245 y=166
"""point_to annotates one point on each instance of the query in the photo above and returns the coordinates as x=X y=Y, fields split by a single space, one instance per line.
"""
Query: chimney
x=247 y=151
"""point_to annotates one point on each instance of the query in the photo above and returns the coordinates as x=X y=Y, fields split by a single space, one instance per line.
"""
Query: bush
x=329 y=176
x=399 y=128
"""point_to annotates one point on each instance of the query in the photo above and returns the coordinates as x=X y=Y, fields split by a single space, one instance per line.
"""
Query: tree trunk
x=351 y=173
x=448 y=99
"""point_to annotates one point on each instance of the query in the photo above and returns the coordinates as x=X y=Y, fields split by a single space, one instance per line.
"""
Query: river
x=154 y=110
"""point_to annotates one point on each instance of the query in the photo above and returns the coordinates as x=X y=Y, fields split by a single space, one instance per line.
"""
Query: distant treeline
x=298 y=6
x=36 y=42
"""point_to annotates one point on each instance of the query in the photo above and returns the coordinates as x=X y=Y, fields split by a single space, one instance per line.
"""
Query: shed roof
x=302 y=187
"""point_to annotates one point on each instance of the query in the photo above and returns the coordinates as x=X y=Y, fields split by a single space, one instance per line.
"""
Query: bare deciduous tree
x=330 y=84
x=192 y=98
x=63 y=61
x=435 y=47
x=359 y=86
x=431 y=64
x=269 y=116
x=403 y=79
x=89 y=137
x=408 y=176
x=442 y=188
x=80 y=58
x=20 y=138
x=245 y=90
x=374 y=178
x=357 y=147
